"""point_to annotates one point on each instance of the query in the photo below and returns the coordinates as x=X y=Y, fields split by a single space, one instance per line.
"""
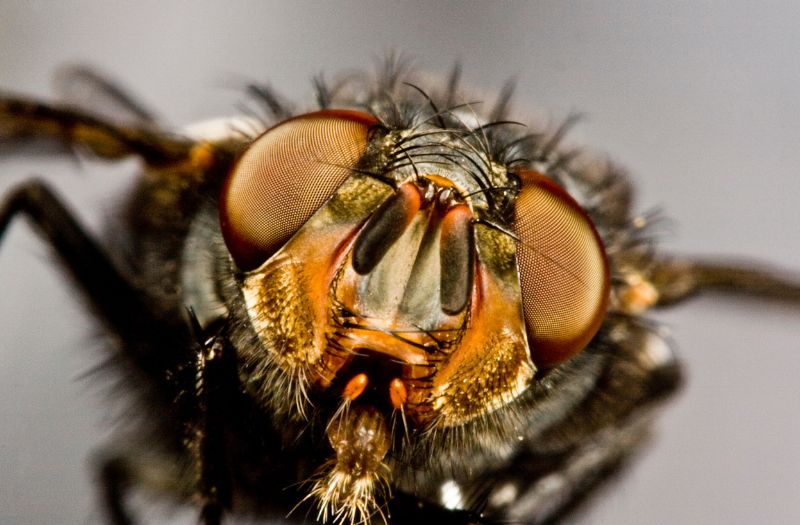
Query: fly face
x=424 y=293
x=390 y=308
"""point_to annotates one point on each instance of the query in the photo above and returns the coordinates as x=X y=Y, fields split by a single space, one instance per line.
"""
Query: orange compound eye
x=563 y=271
x=284 y=177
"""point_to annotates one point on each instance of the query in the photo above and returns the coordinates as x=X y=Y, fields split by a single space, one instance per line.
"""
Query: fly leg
x=546 y=489
x=139 y=469
x=115 y=478
x=204 y=477
x=214 y=370
x=152 y=345
x=111 y=296
x=679 y=279
x=207 y=478
x=560 y=467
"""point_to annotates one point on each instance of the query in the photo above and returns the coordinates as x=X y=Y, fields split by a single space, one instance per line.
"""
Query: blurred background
x=699 y=100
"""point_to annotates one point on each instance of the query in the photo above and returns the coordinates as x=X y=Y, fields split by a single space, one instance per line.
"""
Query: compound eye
x=284 y=177
x=563 y=271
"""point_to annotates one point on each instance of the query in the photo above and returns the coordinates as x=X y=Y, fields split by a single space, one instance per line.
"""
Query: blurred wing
x=83 y=88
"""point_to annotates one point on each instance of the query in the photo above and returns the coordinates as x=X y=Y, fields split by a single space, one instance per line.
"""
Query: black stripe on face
x=457 y=259
x=384 y=227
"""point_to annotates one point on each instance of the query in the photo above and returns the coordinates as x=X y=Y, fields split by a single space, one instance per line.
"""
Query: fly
x=397 y=306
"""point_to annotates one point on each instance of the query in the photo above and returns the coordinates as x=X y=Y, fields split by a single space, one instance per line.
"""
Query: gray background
x=699 y=100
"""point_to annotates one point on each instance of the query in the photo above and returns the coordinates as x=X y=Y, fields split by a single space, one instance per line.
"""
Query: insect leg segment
x=111 y=295
x=679 y=279
x=115 y=478
x=545 y=489
x=560 y=465
x=215 y=368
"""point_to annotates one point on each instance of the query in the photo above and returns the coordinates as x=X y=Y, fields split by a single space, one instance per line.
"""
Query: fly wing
x=86 y=89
